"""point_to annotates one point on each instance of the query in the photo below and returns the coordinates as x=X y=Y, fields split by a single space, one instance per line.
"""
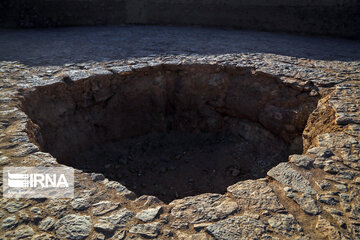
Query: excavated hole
x=171 y=131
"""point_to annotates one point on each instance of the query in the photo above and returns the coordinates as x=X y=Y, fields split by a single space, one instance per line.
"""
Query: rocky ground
x=314 y=195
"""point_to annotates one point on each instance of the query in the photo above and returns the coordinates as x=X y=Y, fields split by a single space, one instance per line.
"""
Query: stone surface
x=22 y=232
x=73 y=227
x=47 y=224
x=81 y=203
x=203 y=208
x=114 y=221
x=285 y=224
x=9 y=223
x=308 y=204
x=290 y=177
x=239 y=227
x=150 y=230
x=254 y=195
x=102 y=208
x=148 y=214
x=301 y=161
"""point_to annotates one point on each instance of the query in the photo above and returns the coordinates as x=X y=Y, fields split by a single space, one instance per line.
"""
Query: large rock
x=239 y=227
x=308 y=204
x=9 y=223
x=73 y=227
x=149 y=230
x=47 y=224
x=148 y=214
x=104 y=207
x=288 y=176
x=285 y=224
x=114 y=221
x=206 y=207
x=255 y=195
x=22 y=232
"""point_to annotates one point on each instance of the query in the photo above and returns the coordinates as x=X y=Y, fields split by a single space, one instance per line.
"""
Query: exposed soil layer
x=172 y=131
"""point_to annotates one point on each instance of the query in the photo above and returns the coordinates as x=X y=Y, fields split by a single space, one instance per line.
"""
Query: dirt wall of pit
x=324 y=17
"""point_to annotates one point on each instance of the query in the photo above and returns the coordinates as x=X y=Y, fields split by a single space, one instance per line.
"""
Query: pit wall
x=324 y=17
x=162 y=98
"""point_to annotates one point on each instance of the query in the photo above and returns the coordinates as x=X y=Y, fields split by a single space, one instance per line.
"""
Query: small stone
x=22 y=232
x=327 y=199
x=4 y=160
x=100 y=236
x=239 y=227
x=103 y=225
x=47 y=224
x=97 y=177
x=73 y=227
x=150 y=230
x=23 y=216
x=345 y=175
x=330 y=168
x=323 y=184
x=81 y=203
x=148 y=214
x=290 y=193
x=114 y=221
x=200 y=226
x=301 y=161
x=341 y=187
x=288 y=176
x=319 y=162
x=13 y=207
x=121 y=69
x=285 y=224
x=121 y=190
x=120 y=235
x=104 y=207
x=36 y=213
x=308 y=204
x=148 y=201
x=76 y=75
x=168 y=233
x=9 y=223
x=180 y=225
x=321 y=152
x=357 y=180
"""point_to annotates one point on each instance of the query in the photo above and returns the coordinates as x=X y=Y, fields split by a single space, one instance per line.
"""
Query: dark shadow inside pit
x=172 y=131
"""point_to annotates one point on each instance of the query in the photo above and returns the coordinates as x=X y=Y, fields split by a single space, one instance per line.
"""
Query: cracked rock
x=203 y=208
x=150 y=230
x=47 y=224
x=286 y=175
x=104 y=207
x=301 y=161
x=114 y=221
x=148 y=214
x=239 y=227
x=73 y=227
x=308 y=204
x=9 y=223
x=255 y=194
x=285 y=224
